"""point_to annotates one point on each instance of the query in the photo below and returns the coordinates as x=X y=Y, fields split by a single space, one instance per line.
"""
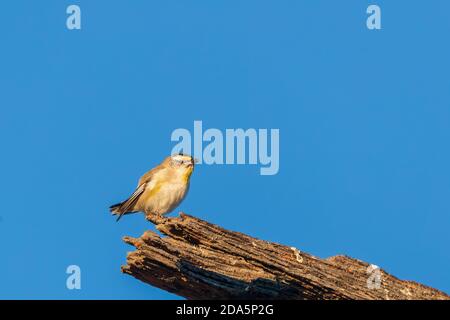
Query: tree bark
x=200 y=260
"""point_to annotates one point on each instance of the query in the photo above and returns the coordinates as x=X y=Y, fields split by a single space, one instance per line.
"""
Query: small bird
x=161 y=189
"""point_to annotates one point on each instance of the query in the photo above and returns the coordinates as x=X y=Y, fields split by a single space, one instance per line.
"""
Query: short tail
x=118 y=209
x=128 y=205
x=115 y=208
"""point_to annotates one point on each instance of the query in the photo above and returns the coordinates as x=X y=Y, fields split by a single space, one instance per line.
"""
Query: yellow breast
x=187 y=174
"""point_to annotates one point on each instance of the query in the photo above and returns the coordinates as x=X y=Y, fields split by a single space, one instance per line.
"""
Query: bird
x=160 y=190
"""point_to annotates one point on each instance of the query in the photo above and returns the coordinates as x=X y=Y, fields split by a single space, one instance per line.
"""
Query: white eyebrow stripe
x=181 y=158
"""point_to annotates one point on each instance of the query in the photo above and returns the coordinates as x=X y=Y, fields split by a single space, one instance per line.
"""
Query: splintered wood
x=199 y=260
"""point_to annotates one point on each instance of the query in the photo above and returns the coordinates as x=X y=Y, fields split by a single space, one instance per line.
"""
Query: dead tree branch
x=200 y=260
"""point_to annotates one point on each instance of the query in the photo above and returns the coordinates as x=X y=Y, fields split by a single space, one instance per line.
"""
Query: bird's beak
x=191 y=164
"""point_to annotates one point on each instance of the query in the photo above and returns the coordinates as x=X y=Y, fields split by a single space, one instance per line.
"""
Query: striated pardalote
x=161 y=189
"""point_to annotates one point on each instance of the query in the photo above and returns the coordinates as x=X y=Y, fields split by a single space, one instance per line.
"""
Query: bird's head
x=182 y=160
x=181 y=163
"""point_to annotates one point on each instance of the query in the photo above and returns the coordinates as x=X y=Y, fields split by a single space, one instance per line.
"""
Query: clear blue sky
x=364 y=119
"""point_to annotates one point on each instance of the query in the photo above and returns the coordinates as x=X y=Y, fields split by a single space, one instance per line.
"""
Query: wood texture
x=199 y=260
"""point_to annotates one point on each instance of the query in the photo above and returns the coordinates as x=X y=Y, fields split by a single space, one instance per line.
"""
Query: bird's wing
x=128 y=204
x=147 y=176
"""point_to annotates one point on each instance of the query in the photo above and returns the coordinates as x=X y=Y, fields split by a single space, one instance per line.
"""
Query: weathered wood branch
x=199 y=260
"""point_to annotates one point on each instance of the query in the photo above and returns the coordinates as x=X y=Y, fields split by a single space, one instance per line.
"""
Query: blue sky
x=364 y=119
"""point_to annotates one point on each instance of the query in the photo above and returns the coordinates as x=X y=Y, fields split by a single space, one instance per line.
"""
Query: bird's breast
x=163 y=198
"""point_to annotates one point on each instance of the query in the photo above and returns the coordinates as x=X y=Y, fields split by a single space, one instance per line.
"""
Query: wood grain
x=196 y=259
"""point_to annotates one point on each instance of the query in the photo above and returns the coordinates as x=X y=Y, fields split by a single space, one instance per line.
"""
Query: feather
x=128 y=204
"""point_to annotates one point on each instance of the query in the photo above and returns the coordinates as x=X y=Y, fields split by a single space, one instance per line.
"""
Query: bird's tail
x=119 y=209
x=115 y=208
x=128 y=205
